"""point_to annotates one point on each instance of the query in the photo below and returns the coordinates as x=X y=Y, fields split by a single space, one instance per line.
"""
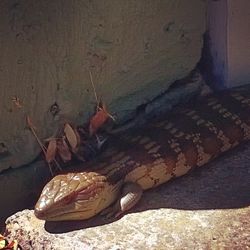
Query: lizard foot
x=131 y=194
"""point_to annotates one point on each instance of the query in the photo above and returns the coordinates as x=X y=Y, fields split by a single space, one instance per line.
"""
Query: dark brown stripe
x=204 y=128
x=232 y=118
x=210 y=114
x=137 y=156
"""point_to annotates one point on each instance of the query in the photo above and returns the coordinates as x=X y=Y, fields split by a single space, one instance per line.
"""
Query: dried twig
x=93 y=86
x=44 y=149
x=103 y=108
x=32 y=128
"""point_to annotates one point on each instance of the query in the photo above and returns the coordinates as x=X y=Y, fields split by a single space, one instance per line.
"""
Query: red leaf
x=51 y=151
x=72 y=136
x=63 y=150
x=99 y=118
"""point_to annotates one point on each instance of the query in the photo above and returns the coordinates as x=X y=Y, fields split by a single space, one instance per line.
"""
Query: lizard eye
x=68 y=199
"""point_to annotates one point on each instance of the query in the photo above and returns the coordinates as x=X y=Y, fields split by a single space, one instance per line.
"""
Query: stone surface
x=207 y=209
x=134 y=49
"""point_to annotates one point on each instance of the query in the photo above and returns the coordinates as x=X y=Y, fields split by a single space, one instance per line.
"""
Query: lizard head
x=74 y=196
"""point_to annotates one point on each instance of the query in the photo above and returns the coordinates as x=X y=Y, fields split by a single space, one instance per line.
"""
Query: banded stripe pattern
x=188 y=138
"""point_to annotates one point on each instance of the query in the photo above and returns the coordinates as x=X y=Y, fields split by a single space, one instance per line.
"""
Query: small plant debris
x=82 y=142
x=6 y=245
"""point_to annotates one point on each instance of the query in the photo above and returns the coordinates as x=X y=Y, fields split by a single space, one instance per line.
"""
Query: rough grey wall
x=135 y=50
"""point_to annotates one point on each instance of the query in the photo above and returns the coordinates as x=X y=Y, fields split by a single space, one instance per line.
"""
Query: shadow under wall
x=206 y=65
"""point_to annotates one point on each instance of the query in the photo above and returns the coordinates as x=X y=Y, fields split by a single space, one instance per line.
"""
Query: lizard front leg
x=130 y=195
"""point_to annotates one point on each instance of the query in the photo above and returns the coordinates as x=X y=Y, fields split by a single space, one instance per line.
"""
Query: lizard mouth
x=70 y=215
x=40 y=214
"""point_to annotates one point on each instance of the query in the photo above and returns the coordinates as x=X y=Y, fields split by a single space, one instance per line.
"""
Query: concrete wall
x=217 y=31
x=229 y=32
x=238 y=42
x=135 y=50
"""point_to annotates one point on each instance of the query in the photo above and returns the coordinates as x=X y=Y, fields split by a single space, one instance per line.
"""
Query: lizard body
x=147 y=157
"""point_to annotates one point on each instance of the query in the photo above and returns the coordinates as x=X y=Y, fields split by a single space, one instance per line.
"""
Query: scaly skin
x=150 y=156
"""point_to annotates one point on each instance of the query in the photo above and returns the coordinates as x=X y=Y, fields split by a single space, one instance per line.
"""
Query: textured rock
x=207 y=209
x=135 y=50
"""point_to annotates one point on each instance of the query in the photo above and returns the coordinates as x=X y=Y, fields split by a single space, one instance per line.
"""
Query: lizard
x=144 y=158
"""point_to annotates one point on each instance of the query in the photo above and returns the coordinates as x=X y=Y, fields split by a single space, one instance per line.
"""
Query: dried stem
x=57 y=164
x=108 y=114
x=35 y=135
x=93 y=86
x=41 y=144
